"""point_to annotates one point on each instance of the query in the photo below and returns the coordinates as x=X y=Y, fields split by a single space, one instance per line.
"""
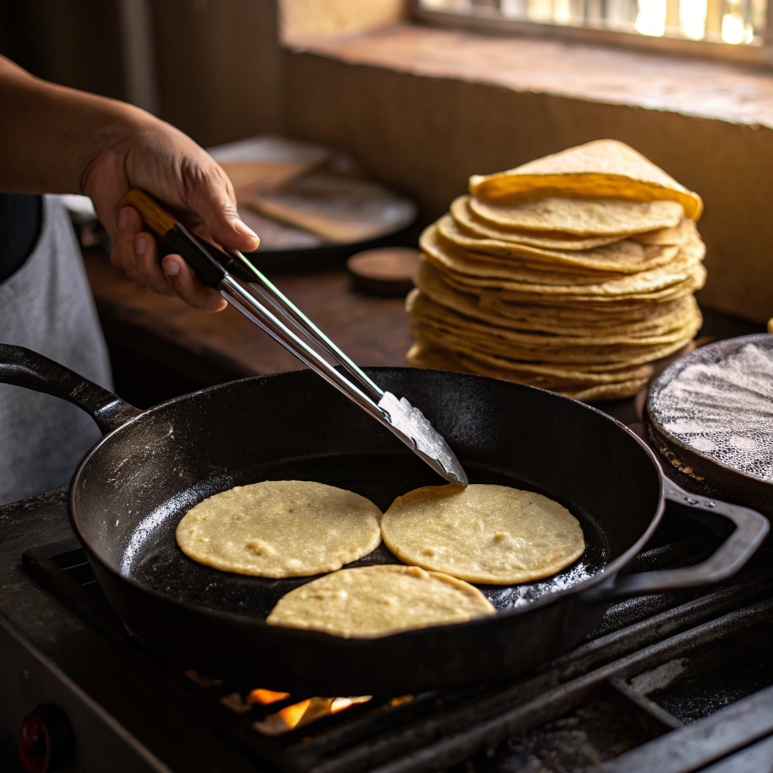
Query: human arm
x=59 y=140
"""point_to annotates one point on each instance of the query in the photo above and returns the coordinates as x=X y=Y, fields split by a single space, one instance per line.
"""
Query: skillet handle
x=25 y=368
x=751 y=528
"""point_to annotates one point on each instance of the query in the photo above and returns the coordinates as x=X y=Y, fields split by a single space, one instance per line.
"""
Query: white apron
x=47 y=306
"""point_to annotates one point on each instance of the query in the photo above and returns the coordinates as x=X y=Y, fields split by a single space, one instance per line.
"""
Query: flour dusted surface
x=724 y=409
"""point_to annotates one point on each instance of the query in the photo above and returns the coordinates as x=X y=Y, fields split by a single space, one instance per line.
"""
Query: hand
x=147 y=153
x=103 y=148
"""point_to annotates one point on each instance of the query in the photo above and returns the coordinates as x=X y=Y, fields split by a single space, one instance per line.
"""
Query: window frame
x=760 y=54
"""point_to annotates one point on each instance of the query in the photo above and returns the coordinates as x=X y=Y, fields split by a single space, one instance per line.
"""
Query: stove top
x=672 y=682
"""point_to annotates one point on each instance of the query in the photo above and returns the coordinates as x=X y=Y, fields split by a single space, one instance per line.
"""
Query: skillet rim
x=608 y=572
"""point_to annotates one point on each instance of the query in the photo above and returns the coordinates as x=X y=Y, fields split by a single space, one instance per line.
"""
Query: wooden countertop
x=148 y=332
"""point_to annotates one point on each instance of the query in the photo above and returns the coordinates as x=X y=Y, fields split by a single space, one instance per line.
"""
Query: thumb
x=211 y=199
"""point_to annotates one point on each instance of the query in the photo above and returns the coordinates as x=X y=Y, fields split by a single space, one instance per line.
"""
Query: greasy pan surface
x=131 y=491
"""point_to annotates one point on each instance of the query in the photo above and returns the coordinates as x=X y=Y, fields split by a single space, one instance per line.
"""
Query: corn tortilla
x=558 y=321
x=587 y=357
x=622 y=257
x=423 y=355
x=582 y=217
x=473 y=275
x=375 y=601
x=604 y=371
x=684 y=231
x=425 y=310
x=507 y=304
x=431 y=281
x=445 y=243
x=483 y=533
x=662 y=287
x=469 y=225
x=280 y=528
x=540 y=373
x=600 y=169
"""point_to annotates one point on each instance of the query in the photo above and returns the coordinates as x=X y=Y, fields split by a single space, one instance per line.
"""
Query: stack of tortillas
x=574 y=273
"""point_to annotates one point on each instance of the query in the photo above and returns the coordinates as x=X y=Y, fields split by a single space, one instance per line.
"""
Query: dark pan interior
x=134 y=489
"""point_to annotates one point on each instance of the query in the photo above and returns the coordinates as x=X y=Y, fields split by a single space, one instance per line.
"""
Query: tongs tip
x=410 y=424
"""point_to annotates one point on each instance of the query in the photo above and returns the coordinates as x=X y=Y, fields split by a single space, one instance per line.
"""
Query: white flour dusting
x=724 y=409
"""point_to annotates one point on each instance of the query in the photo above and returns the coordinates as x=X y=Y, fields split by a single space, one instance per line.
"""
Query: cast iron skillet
x=133 y=487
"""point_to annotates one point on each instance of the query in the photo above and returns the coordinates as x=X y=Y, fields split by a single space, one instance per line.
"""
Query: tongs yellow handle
x=209 y=263
x=158 y=219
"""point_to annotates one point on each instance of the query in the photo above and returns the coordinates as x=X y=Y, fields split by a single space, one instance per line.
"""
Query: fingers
x=185 y=285
x=210 y=196
x=148 y=267
x=129 y=227
x=136 y=253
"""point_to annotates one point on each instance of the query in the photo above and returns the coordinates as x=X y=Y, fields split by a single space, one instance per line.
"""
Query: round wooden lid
x=388 y=270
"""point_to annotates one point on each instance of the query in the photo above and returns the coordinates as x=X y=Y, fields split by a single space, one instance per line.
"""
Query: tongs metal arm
x=247 y=303
x=408 y=423
x=288 y=309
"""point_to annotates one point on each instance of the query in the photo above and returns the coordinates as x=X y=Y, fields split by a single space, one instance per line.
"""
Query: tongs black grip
x=209 y=263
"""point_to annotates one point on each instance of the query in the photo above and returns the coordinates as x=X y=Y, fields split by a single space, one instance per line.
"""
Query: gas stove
x=673 y=682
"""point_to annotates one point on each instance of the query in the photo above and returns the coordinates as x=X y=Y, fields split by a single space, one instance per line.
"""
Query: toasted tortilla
x=426 y=311
x=483 y=533
x=280 y=528
x=472 y=226
x=583 y=217
x=655 y=319
x=600 y=169
x=375 y=601
x=608 y=262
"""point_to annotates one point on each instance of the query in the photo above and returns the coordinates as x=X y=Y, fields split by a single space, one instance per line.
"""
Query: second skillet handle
x=25 y=368
x=751 y=528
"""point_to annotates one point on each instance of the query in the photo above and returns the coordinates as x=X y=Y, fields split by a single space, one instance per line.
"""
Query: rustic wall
x=425 y=134
x=219 y=62
x=220 y=67
x=73 y=42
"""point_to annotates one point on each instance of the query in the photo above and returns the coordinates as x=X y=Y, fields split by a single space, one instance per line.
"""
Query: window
x=733 y=28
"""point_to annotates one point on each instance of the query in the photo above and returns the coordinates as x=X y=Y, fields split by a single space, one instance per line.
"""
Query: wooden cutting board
x=338 y=208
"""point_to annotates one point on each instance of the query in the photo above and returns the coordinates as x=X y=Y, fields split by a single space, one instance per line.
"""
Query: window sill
x=706 y=89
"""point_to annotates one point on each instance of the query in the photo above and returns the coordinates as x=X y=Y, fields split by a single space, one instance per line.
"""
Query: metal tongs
x=262 y=303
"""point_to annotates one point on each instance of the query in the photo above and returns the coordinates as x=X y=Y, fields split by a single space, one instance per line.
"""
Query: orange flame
x=267 y=696
x=292 y=715
x=304 y=713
